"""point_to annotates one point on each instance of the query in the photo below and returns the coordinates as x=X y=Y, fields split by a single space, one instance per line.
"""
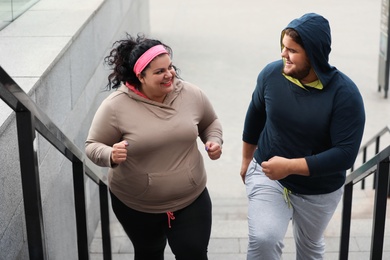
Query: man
x=302 y=131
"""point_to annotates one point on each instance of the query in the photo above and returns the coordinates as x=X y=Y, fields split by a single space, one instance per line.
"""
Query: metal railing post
x=105 y=221
x=364 y=161
x=81 y=215
x=377 y=144
x=380 y=203
x=346 y=221
x=31 y=186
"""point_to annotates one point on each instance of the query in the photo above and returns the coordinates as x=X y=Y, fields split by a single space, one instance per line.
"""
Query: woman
x=146 y=132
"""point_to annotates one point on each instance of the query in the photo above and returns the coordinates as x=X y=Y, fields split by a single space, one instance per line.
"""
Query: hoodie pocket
x=175 y=184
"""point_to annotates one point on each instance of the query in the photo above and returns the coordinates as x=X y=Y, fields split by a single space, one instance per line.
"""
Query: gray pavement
x=221 y=46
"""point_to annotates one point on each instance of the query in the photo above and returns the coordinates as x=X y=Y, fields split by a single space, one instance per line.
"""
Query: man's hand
x=278 y=167
x=243 y=173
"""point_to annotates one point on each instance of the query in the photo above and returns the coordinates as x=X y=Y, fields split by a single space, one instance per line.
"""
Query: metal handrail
x=364 y=147
x=374 y=139
x=30 y=117
x=378 y=165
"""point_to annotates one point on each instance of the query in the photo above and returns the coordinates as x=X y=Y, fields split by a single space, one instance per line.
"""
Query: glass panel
x=5 y=12
x=11 y=9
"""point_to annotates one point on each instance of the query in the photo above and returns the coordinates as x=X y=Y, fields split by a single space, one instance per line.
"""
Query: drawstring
x=286 y=196
x=170 y=217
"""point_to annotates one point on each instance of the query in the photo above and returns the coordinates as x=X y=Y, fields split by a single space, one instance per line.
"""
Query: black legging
x=188 y=236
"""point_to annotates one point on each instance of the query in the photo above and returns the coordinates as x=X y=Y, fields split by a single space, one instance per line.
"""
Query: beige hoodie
x=164 y=170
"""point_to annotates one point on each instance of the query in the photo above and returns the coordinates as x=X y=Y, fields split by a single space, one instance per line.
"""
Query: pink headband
x=147 y=57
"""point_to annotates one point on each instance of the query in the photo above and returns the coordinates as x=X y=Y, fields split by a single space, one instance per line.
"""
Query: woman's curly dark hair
x=123 y=57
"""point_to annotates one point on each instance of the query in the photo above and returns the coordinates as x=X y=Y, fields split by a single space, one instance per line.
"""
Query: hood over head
x=315 y=33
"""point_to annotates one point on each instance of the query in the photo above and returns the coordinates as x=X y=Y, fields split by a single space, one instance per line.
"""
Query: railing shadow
x=30 y=118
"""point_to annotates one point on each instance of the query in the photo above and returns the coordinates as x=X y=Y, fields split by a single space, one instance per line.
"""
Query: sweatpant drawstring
x=286 y=196
x=170 y=217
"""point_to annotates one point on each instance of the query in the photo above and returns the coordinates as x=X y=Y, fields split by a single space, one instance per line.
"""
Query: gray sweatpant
x=270 y=209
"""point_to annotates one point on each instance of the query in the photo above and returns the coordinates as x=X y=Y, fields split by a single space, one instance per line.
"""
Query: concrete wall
x=55 y=53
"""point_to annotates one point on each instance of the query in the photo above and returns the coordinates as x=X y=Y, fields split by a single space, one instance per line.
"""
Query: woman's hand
x=214 y=150
x=119 y=152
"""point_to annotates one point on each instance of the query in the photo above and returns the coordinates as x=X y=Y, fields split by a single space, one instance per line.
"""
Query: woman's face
x=157 y=79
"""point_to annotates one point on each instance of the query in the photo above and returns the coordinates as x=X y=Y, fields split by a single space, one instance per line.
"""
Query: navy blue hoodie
x=323 y=126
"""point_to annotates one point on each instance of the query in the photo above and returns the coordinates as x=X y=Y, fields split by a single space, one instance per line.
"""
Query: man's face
x=296 y=62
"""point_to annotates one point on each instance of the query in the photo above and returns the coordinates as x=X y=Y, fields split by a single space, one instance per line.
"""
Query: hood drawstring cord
x=170 y=217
